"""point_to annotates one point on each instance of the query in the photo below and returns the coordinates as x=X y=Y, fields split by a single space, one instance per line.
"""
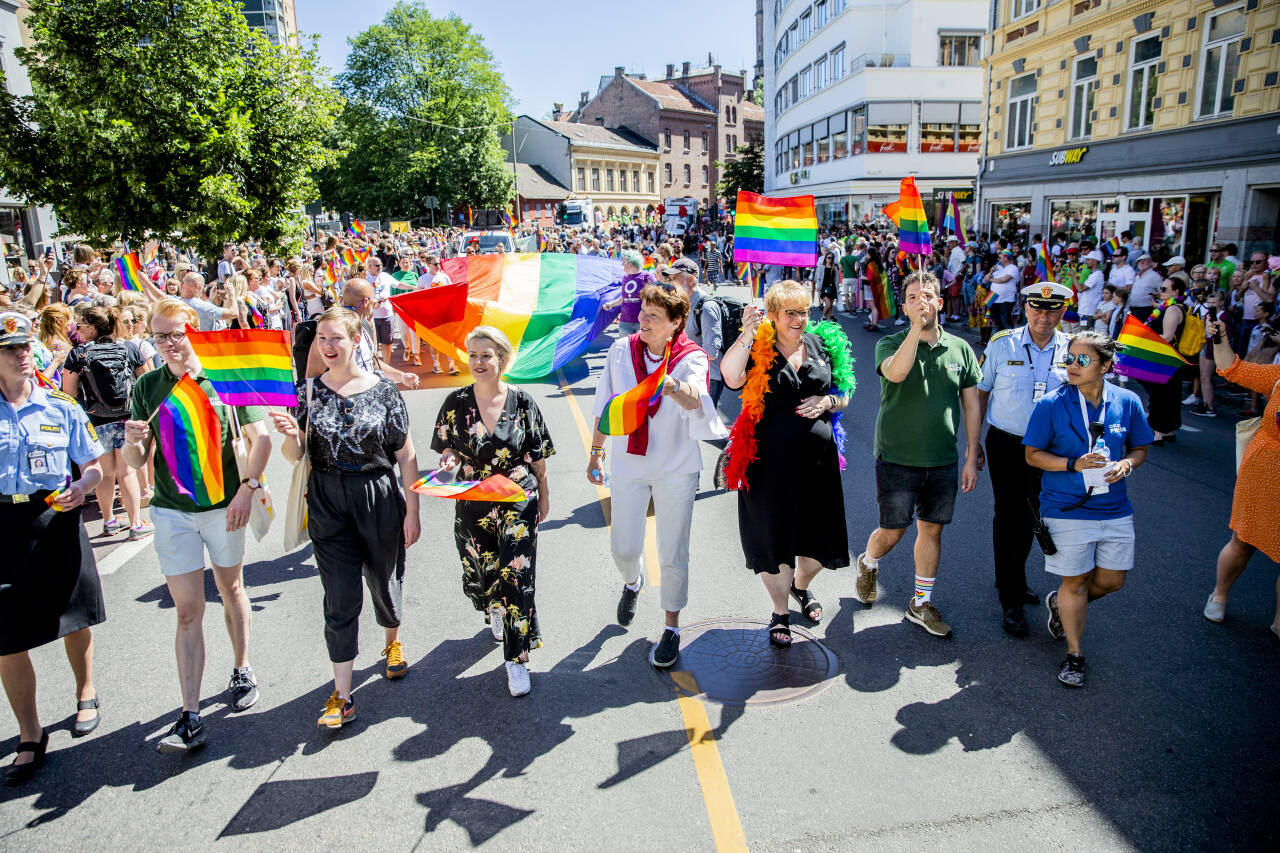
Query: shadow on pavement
x=278 y=804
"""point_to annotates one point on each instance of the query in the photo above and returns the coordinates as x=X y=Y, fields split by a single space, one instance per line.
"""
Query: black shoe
x=80 y=729
x=1030 y=598
x=1072 y=672
x=1015 y=622
x=187 y=734
x=243 y=689
x=17 y=774
x=666 y=651
x=627 y=603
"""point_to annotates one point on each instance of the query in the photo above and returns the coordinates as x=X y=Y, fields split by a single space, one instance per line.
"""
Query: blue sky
x=551 y=51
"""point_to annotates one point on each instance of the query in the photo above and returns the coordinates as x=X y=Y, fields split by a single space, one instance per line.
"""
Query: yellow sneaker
x=397 y=666
x=337 y=712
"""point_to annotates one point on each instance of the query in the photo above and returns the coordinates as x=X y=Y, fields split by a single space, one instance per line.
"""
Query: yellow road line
x=651 y=551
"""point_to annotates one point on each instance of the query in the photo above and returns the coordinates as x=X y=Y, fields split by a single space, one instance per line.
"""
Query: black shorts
x=902 y=489
x=382 y=325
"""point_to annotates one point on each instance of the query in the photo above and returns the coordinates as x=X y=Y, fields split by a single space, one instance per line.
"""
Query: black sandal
x=19 y=773
x=80 y=729
x=808 y=604
x=780 y=631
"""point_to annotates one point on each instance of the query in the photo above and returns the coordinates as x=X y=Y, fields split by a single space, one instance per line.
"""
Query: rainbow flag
x=497 y=488
x=650 y=265
x=542 y=242
x=1146 y=355
x=247 y=367
x=362 y=255
x=130 y=270
x=1110 y=246
x=1044 y=262
x=355 y=228
x=191 y=441
x=45 y=382
x=775 y=230
x=624 y=413
x=330 y=275
x=908 y=214
x=348 y=258
x=471 y=219
x=952 y=221
x=255 y=316
x=990 y=300
x=548 y=305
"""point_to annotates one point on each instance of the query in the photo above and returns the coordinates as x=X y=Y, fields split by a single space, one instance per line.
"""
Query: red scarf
x=638 y=441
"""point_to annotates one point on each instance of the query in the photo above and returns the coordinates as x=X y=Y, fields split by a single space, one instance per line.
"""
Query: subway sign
x=1068 y=156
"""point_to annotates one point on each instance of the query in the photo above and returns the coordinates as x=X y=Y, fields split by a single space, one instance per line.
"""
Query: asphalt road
x=968 y=743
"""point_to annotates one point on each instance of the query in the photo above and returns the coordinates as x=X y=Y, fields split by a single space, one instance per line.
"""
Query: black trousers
x=1013 y=482
x=1164 y=402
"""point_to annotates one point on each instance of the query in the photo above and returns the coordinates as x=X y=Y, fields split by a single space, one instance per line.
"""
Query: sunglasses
x=1081 y=359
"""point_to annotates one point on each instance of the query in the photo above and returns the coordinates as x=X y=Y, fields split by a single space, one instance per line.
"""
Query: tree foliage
x=744 y=173
x=162 y=117
x=425 y=111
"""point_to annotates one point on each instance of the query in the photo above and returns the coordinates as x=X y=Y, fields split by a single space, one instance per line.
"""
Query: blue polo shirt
x=51 y=424
x=1056 y=426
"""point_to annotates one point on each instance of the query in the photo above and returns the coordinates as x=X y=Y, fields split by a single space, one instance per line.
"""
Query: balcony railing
x=879 y=60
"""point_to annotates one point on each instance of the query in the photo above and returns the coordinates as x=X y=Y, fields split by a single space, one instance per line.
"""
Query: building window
x=704 y=176
x=608 y=179
x=820 y=14
x=595 y=180
x=959 y=49
x=649 y=179
x=666 y=138
x=635 y=181
x=887 y=128
x=728 y=143
x=686 y=140
x=582 y=179
x=666 y=175
x=622 y=180
x=1220 y=62
x=806 y=81
x=820 y=74
x=794 y=84
x=1021 y=110
x=1143 y=59
x=777 y=10
x=823 y=141
x=728 y=114
x=969 y=138
x=806 y=26
x=858 y=131
x=806 y=153
x=688 y=175
x=839 y=136
x=704 y=142
x=1024 y=7
x=837 y=6
x=1084 y=82
x=938 y=123
x=837 y=63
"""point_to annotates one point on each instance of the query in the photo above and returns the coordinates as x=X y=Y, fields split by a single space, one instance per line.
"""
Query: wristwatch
x=253 y=482
x=1071 y=464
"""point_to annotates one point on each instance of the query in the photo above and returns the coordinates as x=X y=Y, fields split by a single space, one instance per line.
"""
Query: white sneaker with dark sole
x=495 y=623
x=518 y=678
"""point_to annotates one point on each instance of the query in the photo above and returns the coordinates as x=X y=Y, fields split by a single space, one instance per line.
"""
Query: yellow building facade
x=1156 y=117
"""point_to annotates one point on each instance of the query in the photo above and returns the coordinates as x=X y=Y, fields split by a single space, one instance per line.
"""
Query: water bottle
x=1100 y=447
x=604 y=477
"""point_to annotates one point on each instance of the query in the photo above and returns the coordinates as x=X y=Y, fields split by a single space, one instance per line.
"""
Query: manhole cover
x=731 y=662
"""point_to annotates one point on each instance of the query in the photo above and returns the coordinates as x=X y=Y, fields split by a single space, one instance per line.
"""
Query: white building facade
x=860 y=93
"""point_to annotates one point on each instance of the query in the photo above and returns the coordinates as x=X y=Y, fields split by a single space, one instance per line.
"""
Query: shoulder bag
x=295 y=513
x=1246 y=430
x=261 y=509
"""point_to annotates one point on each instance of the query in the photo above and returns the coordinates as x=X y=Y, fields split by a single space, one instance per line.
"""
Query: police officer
x=1019 y=367
x=49 y=584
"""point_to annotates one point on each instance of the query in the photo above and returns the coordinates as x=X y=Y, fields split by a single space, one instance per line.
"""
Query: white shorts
x=181 y=538
x=1084 y=544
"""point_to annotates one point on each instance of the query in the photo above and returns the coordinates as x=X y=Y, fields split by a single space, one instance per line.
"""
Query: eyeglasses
x=172 y=337
x=347 y=406
x=134 y=322
x=1081 y=359
x=1258 y=261
x=669 y=288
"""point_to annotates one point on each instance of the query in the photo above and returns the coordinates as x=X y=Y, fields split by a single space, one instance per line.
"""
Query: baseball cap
x=684 y=265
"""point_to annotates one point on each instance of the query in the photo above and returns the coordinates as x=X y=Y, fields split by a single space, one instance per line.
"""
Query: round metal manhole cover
x=731 y=662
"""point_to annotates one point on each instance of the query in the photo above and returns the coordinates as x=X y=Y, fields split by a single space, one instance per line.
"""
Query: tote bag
x=295 y=513
x=1246 y=430
x=261 y=509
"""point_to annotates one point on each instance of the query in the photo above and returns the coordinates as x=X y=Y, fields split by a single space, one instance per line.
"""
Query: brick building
x=694 y=119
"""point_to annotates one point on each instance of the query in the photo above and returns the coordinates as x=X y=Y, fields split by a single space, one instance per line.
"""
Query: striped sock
x=924 y=590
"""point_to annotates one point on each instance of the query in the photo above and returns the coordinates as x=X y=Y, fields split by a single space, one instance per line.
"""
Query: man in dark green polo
x=928 y=379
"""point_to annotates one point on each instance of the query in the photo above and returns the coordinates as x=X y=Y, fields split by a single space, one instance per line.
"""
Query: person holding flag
x=201 y=501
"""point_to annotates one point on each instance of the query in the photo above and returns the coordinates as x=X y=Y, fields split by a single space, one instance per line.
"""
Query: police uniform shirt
x=1012 y=365
x=40 y=440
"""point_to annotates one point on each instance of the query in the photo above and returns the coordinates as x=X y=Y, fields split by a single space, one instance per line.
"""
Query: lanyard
x=1032 y=362
x=1084 y=415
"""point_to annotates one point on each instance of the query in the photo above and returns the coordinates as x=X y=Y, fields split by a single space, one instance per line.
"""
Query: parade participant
x=1252 y=505
x=185 y=529
x=56 y=327
x=490 y=428
x=706 y=318
x=1092 y=529
x=1145 y=294
x=634 y=280
x=850 y=278
x=406 y=282
x=879 y=292
x=43 y=433
x=357 y=297
x=1072 y=272
x=828 y=292
x=1019 y=367
x=211 y=317
x=660 y=461
x=381 y=310
x=360 y=521
x=1004 y=283
x=792 y=379
x=1164 y=404
x=927 y=379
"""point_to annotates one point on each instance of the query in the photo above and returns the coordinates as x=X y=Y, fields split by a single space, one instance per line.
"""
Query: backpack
x=108 y=379
x=1191 y=340
x=730 y=320
x=303 y=334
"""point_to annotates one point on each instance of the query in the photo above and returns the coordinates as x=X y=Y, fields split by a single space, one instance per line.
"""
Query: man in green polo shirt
x=928 y=380
x=1222 y=267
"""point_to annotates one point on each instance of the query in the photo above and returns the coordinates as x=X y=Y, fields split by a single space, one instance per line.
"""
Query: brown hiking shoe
x=865 y=587
x=926 y=616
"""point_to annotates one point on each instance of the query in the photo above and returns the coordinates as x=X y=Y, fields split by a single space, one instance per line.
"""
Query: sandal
x=80 y=729
x=19 y=773
x=780 y=631
x=808 y=604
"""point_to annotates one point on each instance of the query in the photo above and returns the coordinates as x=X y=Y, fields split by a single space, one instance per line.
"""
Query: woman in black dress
x=787 y=465
x=492 y=428
x=828 y=292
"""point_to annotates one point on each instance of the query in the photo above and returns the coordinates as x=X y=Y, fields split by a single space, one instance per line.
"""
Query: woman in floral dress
x=492 y=428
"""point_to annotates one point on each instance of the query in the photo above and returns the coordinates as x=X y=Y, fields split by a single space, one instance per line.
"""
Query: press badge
x=38 y=461
x=1038 y=392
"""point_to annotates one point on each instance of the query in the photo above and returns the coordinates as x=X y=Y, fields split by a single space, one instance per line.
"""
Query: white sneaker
x=495 y=623
x=517 y=678
x=1215 y=611
x=899 y=322
x=1191 y=400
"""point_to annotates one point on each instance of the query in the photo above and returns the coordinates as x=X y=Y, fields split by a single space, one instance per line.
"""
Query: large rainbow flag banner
x=497 y=488
x=548 y=305
x=247 y=367
x=775 y=230
x=130 y=270
x=624 y=413
x=908 y=214
x=191 y=442
x=1146 y=355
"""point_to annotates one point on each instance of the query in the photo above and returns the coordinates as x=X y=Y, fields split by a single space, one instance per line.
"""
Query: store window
x=1021 y=110
x=582 y=180
x=1008 y=218
x=1084 y=83
x=858 y=132
x=1144 y=57
x=1220 y=62
x=1074 y=217
x=839 y=136
x=1168 y=222
x=969 y=137
x=959 y=49
x=938 y=125
x=887 y=128
x=795 y=150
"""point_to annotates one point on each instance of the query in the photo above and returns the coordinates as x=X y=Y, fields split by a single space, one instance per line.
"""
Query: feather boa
x=742 y=437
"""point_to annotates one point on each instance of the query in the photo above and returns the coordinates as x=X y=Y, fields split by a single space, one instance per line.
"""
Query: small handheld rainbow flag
x=247 y=367
x=990 y=300
x=255 y=316
x=1146 y=355
x=52 y=497
x=348 y=258
x=952 y=221
x=330 y=277
x=908 y=214
x=770 y=230
x=45 y=382
x=542 y=242
x=362 y=255
x=497 y=489
x=624 y=413
x=355 y=228
x=471 y=219
x=191 y=442
x=1111 y=245
x=650 y=264
x=130 y=270
x=1044 y=263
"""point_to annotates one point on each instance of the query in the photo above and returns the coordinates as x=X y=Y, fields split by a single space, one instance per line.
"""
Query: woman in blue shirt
x=1092 y=527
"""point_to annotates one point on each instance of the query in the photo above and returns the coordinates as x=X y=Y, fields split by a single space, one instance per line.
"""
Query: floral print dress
x=498 y=542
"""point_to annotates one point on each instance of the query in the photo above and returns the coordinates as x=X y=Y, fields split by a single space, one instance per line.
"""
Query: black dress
x=794 y=506
x=498 y=542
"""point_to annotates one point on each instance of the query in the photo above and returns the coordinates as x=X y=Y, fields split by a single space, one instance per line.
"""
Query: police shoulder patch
x=998 y=335
x=59 y=395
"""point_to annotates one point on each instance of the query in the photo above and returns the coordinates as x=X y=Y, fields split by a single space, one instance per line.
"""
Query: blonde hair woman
x=56 y=325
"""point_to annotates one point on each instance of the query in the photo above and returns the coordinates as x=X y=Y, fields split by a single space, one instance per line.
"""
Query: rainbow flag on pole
x=356 y=228
x=247 y=367
x=1044 y=263
x=130 y=269
x=951 y=221
x=624 y=413
x=1111 y=245
x=191 y=442
x=775 y=230
x=908 y=214
x=1146 y=355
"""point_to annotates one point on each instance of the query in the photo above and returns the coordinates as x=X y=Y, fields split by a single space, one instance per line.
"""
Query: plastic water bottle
x=1100 y=447
x=604 y=476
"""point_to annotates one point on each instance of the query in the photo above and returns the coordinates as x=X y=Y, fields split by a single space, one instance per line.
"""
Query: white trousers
x=673 y=510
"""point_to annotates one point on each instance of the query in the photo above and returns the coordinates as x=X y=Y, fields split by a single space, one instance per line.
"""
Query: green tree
x=757 y=92
x=425 y=111
x=744 y=173
x=149 y=116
